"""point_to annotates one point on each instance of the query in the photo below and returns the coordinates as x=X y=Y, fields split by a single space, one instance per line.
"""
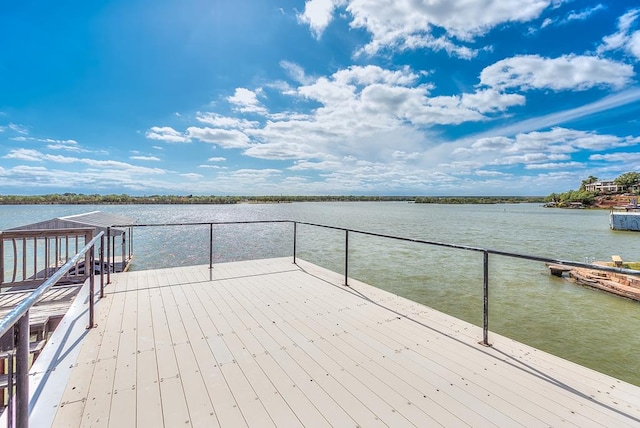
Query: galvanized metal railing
x=485 y=263
x=211 y=235
x=17 y=322
x=485 y=255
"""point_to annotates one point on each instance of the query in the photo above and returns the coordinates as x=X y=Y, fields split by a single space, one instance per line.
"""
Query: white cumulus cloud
x=226 y=138
x=166 y=134
x=318 y=14
x=568 y=72
x=412 y=24
x=624 y=39
x=246 y=101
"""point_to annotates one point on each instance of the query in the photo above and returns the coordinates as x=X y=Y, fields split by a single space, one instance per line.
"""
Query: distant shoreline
x=80 y=199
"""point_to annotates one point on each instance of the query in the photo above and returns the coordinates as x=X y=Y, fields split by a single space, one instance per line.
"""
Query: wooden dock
x=270 y=343
x=615 y=283
x=47 y=313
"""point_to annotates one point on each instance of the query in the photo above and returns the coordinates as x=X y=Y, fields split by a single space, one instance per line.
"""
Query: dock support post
x=10 y=399
x=22 y=371
x=210 y=245
x=485 y=309
x=346 y=258
x=295 y=240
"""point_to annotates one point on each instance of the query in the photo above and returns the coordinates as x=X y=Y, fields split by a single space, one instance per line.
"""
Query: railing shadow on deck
x=496 y=353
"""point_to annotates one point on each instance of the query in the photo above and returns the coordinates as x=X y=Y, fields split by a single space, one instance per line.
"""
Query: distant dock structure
x=29 y=254
x=626 y=217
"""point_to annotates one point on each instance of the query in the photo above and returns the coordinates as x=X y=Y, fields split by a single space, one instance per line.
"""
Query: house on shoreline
x=604 y=186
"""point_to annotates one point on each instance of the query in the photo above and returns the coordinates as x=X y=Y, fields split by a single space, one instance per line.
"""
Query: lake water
x=589 y=327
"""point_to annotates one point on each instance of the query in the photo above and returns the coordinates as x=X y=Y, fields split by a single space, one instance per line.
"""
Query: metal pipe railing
x=211 y=246
x=295 y=241
x=18 y=321
x=485 y=298
x=211 y=234
x=102 y=266
x=346 y=258
x=485 y=252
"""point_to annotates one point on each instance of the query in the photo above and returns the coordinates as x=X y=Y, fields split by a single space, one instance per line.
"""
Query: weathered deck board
x=269 y=343
x=54 y=303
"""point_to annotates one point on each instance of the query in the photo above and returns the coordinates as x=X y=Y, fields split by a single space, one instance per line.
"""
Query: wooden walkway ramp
x=270 y=343
x=46 y=314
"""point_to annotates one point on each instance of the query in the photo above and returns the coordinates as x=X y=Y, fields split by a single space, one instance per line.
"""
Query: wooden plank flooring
x=54 y=304
x=269 y=343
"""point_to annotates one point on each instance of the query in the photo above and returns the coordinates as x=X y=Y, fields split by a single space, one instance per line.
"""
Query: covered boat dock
x=31 y=253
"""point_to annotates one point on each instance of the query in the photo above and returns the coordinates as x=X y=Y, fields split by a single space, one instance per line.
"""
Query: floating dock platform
x=272 y=343
x=625 y=220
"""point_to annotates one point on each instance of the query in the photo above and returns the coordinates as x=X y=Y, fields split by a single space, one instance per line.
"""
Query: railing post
x=346 y=257
x=210 y=245
x=295 y=240
x=113 y=252
x=485 y=306
x=47 y=257
x=92 y=281
x=108 y=255
x=123 y=250
x=102 y=266
x=88 y=261
x=2 y=259
x=22 y=371
x=10 y=400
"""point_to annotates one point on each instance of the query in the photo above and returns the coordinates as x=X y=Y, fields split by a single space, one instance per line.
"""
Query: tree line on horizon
x=124 y=199
x=478 y=199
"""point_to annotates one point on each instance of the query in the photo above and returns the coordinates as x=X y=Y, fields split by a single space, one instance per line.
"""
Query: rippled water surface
x=526 y=303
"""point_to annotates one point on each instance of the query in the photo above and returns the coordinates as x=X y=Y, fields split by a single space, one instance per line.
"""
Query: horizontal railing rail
x=486 y=252
x=482 y=250
x=17 y=322
x=210 y=224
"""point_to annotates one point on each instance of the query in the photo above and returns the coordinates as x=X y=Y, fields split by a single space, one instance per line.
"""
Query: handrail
x=485 y=251
x=399 y=238
x=482 y=250
x=485 y=263
x=209 y=223
x=200 y=223
x=18 y=320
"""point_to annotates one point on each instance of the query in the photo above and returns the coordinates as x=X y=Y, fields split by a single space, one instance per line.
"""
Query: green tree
x=628 y=179
x=589 y=180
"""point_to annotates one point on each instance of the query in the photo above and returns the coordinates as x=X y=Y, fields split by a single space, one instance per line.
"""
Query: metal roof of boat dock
x=272 y=343
x=96 y=219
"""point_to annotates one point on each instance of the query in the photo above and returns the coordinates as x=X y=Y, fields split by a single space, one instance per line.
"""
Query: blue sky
x=374 y=97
